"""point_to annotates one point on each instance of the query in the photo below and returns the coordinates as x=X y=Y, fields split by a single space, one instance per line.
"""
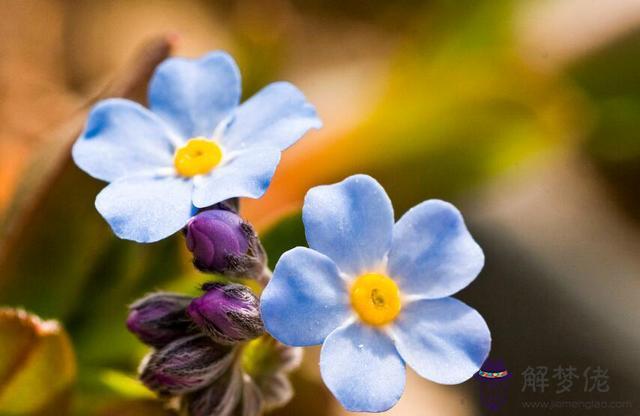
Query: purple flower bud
x=159 y=318
x=221 y=242
x=228 y=313
x=186 y=365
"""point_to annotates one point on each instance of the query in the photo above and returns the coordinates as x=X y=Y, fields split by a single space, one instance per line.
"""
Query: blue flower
x=194 y=147
x=376 y=294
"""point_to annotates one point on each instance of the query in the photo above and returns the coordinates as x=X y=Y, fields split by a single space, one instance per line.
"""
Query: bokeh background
x=525 y=114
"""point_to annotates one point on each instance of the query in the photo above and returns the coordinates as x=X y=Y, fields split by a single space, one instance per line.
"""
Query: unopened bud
x=221 y=242
x=268 y=363
x=159 y=318
x=220 y=398
x=252 y=402
x=186 y=365
x=228 y=313
x=276 y=390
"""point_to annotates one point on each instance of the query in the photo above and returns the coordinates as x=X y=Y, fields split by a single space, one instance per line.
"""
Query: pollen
x=376 y=299
x=197 y=157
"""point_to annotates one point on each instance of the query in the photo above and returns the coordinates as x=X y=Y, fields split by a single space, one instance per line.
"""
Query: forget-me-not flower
x=376 y=294
x=194 y=147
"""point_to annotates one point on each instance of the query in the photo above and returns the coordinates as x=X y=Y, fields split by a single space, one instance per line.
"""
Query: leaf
x=136 y=408
x=58 y=256
x=37 y=363
x=122 y=273
x=125 y=385
x=609 y=77
x=283 y=236
x=454 y=107
x=52 y=235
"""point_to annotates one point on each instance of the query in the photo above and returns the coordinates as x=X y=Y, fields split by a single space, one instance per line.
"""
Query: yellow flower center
x=376 y=298
x=197 y=157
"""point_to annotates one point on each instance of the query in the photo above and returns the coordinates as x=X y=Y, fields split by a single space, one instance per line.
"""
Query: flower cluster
x=376 y=294
x=201 y=361
x=182 y=165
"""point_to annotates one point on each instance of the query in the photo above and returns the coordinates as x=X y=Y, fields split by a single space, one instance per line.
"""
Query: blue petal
x=362 y=368
x=351 y=222
x=146 y=209
x=246 y=174
x=122 y=138
x=305 y=300
x=277 y=116
x=194 y=95
x=443 y=340
x=433 y=255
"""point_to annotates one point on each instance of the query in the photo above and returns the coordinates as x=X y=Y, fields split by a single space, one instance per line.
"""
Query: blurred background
x=525 y=114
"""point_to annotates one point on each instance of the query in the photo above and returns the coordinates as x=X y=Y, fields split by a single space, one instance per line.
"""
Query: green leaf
x=609 y=77
x=125 y=385
x=58 y=256
x=52 y=236
x=37 y=363
x=136 y=408
x=284 y=235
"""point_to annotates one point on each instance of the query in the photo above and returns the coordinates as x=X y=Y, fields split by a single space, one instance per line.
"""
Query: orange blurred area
x=64 y=51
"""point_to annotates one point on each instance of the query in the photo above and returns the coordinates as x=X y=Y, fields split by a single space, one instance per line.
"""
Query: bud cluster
x=211 y=355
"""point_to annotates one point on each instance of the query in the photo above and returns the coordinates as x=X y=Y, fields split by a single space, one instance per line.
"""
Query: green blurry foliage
x=610 y=78
x=59 y=258
x=37 y=365
x=460 y=106
x=67 y=264
x=125 y=385
x=282 y=236
x=44 y=267
x=136 y=408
